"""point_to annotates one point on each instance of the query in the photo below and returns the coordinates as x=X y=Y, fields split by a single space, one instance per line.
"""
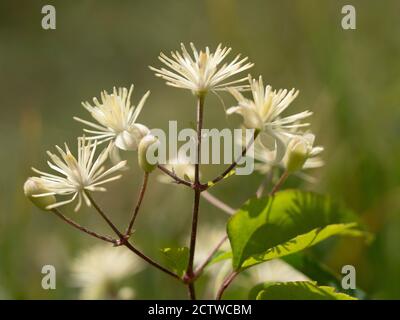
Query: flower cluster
x=280 y=140
x=293 y=148
x=115 y=121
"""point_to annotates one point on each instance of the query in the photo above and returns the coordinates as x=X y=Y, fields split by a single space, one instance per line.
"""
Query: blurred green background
x=350 y=79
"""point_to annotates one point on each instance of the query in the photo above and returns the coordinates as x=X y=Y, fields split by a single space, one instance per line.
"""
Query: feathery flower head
x=77 y=174
x=202 y=72
x=265 y=109
x=99 y=270
x=116 y=119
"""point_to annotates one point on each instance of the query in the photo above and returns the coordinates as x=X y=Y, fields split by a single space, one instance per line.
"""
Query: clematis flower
x=202 y=72
x=76 y=174
x=264 y=110
x=116 y=119
x=299 y=155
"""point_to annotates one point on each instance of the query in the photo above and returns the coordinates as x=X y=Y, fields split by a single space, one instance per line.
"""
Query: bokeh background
x=350 y=79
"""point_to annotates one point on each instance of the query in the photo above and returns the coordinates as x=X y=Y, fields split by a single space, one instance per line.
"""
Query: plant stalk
x=279 y=184
x=196 y=203
x=124 y=241
x=128 y=231
x=83 y=229
x=176 y=179
x=217 y=202
x=200 y=269
x=228 y=280
x=233 y=164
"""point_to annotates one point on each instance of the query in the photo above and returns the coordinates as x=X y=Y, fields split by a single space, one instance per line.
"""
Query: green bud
x=32 y=188
x=148 y=143
x=296 y=155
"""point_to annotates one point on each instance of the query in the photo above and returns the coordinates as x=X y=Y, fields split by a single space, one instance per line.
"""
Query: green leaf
x=298 y=243
x=177 y=259
x=321 y=273
x=220 y=256
x=314 y=269
x=290 y=221
x=300 y=290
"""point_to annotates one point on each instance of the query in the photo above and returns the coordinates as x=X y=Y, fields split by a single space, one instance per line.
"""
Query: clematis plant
x=270 y=225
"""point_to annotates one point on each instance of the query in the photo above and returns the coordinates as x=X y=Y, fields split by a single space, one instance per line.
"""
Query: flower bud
x=297 y=153
x=33 y=188
x=129 y=139
x=145 y=144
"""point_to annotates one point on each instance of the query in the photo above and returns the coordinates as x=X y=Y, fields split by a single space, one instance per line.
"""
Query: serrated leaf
x=177 y=259
x=272 y=227
x=300 y=290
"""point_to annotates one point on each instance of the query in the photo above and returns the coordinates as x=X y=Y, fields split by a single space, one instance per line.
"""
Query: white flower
x=301 y=154
x=116 y=119
x=77 y=174
x=309 y=159
x=263 y=112
x=181 y=167
x=201 y=72
x=98 y=271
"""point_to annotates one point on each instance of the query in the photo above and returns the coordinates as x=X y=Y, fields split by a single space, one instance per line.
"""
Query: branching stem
x=175 y=178
x=233 y=164
x=217 y=202
x=198 y=188
x=138 y=204
x=83 y=229
x=200 y=269
x=124 y=241
x=228 y=280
